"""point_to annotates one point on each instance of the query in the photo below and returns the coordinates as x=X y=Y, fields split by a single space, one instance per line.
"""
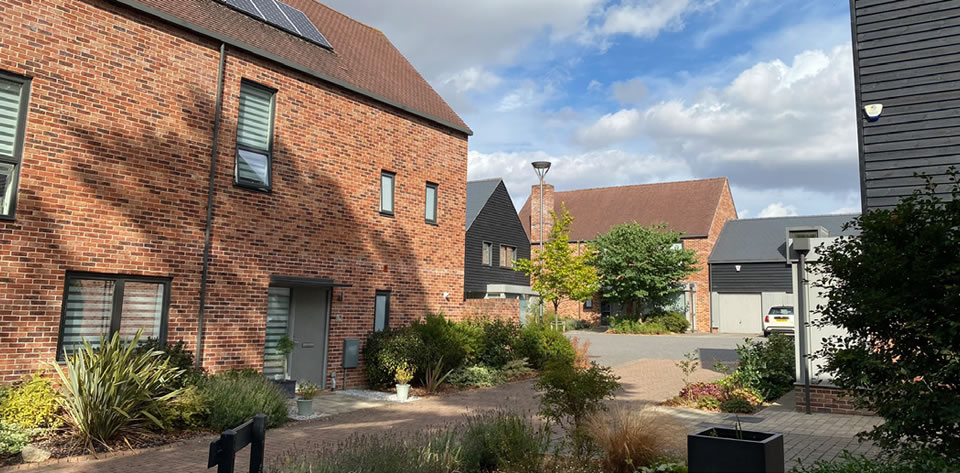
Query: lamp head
x=541 y=167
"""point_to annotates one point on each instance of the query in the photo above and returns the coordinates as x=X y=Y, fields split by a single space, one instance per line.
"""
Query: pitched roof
x=478 y=193
x=685 y=206
x=764 y=239
x=362 y=60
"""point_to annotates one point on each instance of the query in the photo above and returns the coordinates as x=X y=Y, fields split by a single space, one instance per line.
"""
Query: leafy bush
x=115 y=390
x=497 y=342
x=571 y=394
x=767 y=367
x=627 y=325
x=180 y=358
x=542 y=345
x=31 y=404
x=235 y=397
x=188 y=411
x=893 y=292
x=724 y=395
x=674 y=322
x=442 y=342
x=503 y=442
x=385 y=351
x=737 y=405
x=517 y=369
x=909 y=462
x=631 y=439
x=12 y=439
x=476 y=376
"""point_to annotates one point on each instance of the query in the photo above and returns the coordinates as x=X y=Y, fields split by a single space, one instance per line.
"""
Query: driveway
x=614 y=350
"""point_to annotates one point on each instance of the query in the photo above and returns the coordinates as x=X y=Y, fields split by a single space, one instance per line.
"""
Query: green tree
x=638 y=263
x=895 y=290
x=559 y=272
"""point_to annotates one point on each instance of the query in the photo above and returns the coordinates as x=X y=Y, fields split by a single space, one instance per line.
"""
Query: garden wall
x=827 y=400
x=504 y=309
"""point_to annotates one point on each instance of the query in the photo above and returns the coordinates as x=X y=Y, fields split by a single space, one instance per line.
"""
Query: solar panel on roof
x=306 y=27
x=283 y=16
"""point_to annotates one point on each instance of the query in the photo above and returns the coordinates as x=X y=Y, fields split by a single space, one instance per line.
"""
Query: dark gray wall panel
x=752 y=277
x=499 y=224
x=906 y=57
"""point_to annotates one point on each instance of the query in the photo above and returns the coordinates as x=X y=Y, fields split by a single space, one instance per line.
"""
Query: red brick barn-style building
x=325 y=200
x=698 y=209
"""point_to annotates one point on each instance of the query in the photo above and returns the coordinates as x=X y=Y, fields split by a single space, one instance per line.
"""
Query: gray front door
x=309 y=360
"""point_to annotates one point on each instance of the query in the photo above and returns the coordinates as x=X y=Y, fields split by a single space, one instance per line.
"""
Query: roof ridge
x=649 y=184
x=338 y=12
x=747 y=219
x=486 y=179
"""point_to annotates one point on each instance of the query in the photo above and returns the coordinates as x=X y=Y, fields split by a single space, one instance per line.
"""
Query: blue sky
x=638 y=91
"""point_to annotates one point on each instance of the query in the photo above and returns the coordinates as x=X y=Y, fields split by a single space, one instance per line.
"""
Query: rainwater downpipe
x=802 y=329
x=210 y=193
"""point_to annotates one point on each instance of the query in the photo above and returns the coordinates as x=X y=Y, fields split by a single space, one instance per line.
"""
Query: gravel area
x=377 y=395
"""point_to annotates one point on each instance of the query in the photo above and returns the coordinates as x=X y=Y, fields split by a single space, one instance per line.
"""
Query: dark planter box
x=289 y=386
x=718 y=450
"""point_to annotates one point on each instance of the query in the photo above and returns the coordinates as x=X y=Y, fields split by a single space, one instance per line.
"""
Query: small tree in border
x=895 y=290
x=558 y=272
x=639 y=263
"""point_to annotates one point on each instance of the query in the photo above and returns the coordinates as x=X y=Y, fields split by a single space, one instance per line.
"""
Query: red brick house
x=698 y=209
x=320 y=195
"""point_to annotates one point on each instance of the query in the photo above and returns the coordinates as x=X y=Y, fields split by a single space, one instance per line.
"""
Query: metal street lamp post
x=541 y=168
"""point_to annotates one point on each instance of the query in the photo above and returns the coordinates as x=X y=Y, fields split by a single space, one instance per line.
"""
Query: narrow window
x=97 y=305
x=381 y=312
x=14 y=92
x=508 y=255
x=431 y=201
x=387 y=180
x=487 y=253
x=255 y=136
x=278 y=323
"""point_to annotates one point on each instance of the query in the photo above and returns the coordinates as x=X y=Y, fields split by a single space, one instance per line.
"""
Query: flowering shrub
x=725 y=395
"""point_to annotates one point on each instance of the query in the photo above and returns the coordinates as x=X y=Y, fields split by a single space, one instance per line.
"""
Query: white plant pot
x=403 y=392
x=305 y=407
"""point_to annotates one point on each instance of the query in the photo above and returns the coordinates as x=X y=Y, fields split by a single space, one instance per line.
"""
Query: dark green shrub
x=542 y=345
x=477 y=376
x=499 y=337
x=235 y=397
x=180 y=358
x=908 y=462
x=569 y=395
x=630 y=326
x=674 y=322
x=31 y=404
x=12 y=439
x=767 y=367
x=893 y=292
x=737 y=405
x=503 y=442
x=385 y=351
x=442 y=341
x=114 y=390
x=517 y=369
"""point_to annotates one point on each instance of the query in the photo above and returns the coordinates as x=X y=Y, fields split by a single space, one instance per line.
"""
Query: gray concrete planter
x=403 y=392
x=305 y=407
x=718 y=450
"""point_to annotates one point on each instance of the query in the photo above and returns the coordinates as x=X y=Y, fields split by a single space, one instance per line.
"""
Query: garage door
x=738 y=313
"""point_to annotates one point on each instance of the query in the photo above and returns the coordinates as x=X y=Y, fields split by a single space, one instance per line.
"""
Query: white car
x=778 y=319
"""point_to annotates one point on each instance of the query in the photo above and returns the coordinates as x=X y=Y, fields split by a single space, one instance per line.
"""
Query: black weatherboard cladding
x=907 y=58
x=751 y=278
x=496 y=223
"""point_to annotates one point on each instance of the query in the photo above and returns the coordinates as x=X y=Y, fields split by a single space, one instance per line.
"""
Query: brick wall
x=827 y=400
x=504 y=309
x=114 y=180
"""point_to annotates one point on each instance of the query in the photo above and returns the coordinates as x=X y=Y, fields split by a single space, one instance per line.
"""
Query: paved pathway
x=645 y=381
x=614 y=350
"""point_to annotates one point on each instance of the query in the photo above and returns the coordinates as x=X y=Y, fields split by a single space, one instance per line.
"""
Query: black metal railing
x=223 y=452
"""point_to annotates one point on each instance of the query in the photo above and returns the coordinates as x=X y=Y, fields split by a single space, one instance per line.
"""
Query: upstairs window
x=487 y=253
x=97 y=306
x=255 y=136
x=431 y=203
x=13 y=116
x=508 y=254
x=387 y=181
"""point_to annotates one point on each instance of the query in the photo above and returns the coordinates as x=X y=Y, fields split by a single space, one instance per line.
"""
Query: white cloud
x=629 y=92
x=573 y=171
x=472 y=78
x=594 y=85
x=778 y=209
x=647 y=18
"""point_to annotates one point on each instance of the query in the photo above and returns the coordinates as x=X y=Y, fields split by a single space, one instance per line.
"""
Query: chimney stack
x=535 y=208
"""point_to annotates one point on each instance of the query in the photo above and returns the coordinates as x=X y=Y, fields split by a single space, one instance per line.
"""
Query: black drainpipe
x=210 y=191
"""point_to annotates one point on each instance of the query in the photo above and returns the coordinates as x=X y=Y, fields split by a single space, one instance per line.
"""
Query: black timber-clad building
x=906 y=57
x=495 y=239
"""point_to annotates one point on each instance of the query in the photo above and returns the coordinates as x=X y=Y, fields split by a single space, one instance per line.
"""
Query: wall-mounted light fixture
x=446 y=296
